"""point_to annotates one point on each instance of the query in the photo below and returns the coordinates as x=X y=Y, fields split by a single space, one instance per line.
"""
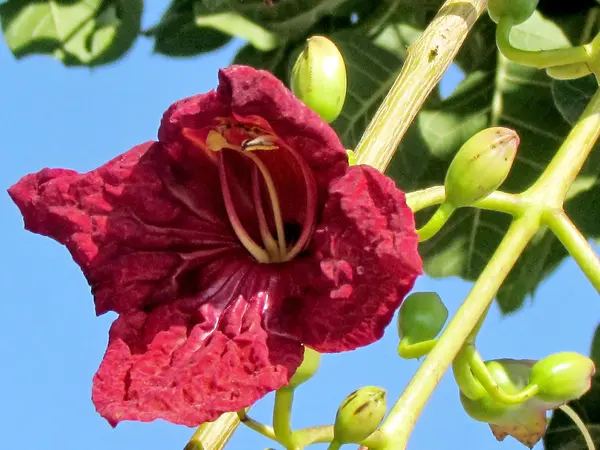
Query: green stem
x=282 y=416
x=261 y=428
x=466 y=381
x=401 y=419
x=541 y=59
x=496 y=201
x=313 y=435
x=589 y=441
x=552 y=186
x=576 y=244
x=437 y=221
x=413 y=351
x=487 y=381
x=334 y=445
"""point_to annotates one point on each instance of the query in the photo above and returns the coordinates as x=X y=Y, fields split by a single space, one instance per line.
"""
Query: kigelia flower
x=238 y=237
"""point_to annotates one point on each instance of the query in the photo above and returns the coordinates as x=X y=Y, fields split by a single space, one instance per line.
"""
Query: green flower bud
x=422 y=316
x=359 y=415
x=562 y=377
x=319 y=78
x=526 y=422
x=309 y=366
x=517 y=10
x=481 y=165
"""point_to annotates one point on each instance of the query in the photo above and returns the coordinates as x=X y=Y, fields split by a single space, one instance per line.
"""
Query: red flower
x=236 y=238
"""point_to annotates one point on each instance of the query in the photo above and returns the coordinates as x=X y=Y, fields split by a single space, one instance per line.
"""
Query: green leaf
x=178 y=34
x=86 y=32
x=563 y=434
x=572 y=96
x=288 y=19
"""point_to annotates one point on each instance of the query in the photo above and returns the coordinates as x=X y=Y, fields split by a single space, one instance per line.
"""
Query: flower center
x=279 y=235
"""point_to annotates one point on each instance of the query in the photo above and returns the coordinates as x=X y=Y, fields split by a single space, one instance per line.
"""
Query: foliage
x=494 y=92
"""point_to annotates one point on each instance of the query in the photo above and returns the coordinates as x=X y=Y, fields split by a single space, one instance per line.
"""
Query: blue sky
x=52 y=342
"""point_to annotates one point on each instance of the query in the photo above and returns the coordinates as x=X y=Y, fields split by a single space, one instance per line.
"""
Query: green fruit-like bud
x=359 y=415
x=319 y=78
x=517 y=10
x=481 y=165
x=526 y=421
x=562 y=377
x=309 y=366
x=422 y=316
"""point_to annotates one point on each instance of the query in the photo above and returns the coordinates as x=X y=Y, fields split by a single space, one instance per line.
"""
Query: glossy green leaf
x=178 y=34
x=572 y=96
x=86 y=32
x=287 y=19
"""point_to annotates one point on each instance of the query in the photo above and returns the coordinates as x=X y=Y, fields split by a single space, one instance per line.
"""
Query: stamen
x=274 y=201
x=255 y=250
x=265 y=233
x=311 y=199
x=259 y=143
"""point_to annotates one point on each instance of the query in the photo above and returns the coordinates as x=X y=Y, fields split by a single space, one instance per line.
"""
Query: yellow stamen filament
x=274 y=201
x=255 y=250
x=309 y=220
x=268 y=241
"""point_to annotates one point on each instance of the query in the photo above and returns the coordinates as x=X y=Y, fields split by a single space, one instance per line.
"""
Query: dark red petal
x=190 y=361
x=366 y=250
x=139 y=226
x=245 y=91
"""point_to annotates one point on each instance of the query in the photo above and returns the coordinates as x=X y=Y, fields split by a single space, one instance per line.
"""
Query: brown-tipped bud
x=481 y=165
x=359 y=415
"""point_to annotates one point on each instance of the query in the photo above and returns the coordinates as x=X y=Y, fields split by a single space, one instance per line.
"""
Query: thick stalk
x=426 y=62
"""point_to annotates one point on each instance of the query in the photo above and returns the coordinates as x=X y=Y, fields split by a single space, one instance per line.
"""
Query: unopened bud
x=359 y=415
x=516 y=10
x=525 y=421
x=306 y=370
x=422 y=316
x=319 y=78
x=562 y=377
x=481 y=165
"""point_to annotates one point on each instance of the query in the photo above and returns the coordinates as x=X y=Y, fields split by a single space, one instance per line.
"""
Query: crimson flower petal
x=204 y=327
x=366 y=249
